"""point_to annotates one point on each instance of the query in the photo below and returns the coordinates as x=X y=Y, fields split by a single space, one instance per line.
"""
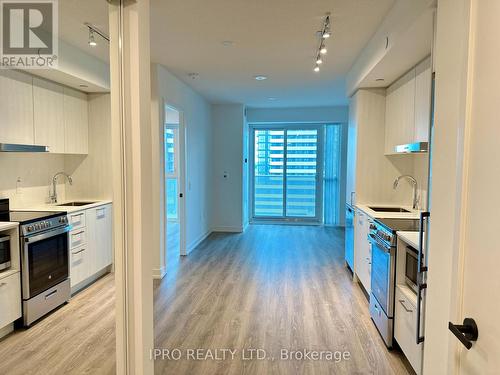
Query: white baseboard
x=159 y=273
x=238 y=229
x=6 y=330
x=197 y=241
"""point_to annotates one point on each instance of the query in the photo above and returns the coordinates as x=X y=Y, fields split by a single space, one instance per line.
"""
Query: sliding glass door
x=287 y=173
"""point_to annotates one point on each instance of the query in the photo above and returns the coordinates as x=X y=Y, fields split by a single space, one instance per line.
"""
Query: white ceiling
x=72 y=16
x=274 y=38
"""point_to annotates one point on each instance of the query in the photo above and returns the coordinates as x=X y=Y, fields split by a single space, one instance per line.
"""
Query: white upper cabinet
x=76 y=121
x=400 y=112
x=16 y=107
x=48 y=98
x=407 y=108
x=423 y=83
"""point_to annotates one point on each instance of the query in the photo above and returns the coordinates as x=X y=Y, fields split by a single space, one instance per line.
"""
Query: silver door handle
x=51 y=294
x=402 y=302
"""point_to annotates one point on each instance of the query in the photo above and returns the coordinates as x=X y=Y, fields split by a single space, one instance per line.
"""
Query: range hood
x=12 y=147
x=412 y=148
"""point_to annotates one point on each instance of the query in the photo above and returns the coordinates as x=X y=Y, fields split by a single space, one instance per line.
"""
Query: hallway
x=271 y=288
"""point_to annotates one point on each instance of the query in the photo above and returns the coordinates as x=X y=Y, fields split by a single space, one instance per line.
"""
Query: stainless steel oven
x=4 y=252
x=383 y=271
x=383 y=238
x=44 y=262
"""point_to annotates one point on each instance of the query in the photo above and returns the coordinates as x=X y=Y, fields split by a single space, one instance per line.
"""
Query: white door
x=475 y=285
x=481 y=284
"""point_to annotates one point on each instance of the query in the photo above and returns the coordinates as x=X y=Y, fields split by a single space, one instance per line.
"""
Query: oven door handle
x=373 y=239
x=48 y=234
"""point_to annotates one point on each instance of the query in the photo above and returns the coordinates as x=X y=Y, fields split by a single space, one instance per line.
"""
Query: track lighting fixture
x=323 y=34
x=92 y=32
x=92 y=41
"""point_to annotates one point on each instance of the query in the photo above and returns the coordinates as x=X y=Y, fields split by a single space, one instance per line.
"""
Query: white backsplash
x=26 y=178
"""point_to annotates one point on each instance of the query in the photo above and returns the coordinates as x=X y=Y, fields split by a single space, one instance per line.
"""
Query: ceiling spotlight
x=271 y=98
x=323 y=49
x=260 y=78
x=326 y=34
x=92 y=41
x=319 y=60
x=316 y=69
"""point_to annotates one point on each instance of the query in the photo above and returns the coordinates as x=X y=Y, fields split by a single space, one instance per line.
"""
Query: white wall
x=92 y=173
x=197 y=118
x=337 y=114
x=35 y=172
x=228 y=128
x=326 y=115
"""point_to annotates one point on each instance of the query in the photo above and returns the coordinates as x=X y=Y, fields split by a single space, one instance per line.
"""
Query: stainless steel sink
x=388 y=209
x=75 y=204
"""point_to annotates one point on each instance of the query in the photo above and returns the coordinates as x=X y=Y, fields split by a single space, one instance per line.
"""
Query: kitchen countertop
x=68 y=209
x=7 y=225
x=411 y=238
x=413 y=214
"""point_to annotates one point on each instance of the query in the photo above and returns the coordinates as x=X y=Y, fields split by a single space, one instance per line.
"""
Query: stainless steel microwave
x=411 y=268
x=4 y=252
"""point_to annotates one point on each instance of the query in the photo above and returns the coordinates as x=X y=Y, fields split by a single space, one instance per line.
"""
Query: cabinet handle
x=78 y=252
x=402 y=302
x=77 y=233
x=3 y=284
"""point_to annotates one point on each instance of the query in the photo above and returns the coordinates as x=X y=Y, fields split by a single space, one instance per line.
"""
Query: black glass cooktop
x=394 y=225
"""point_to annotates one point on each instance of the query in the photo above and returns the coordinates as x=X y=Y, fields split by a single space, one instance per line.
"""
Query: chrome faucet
x=53 y=195
x=414 y=185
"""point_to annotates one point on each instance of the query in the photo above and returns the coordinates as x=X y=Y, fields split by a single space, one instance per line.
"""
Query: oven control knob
x=37 y=226
x=387 y=237
x=43 y=225
x=372 y=227
x=30 y=228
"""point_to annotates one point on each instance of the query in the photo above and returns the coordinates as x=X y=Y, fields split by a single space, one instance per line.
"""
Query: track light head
x=326 y=34
x=316 y=69
x=323 y=49
x=319 y=60
x=92 y=41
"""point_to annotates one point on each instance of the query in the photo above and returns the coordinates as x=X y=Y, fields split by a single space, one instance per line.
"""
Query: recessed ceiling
x=229 y=42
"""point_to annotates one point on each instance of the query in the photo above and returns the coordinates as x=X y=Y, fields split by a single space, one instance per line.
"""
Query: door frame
x=182 y=174
x=318 y=219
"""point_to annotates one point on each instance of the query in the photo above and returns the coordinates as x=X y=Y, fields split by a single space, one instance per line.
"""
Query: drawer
x=77 y=219
x=79 y=265
x=10 y=299
x=77 y=237
x=405 y=328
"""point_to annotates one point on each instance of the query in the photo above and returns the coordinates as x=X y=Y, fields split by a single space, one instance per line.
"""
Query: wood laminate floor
x=271 y=288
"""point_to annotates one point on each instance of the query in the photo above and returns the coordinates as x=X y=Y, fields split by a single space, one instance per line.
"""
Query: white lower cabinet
x=405 y=327
x=99 y=227
x=362 y=249
x=10 y=299
x=91 y=244
x=80 y=265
